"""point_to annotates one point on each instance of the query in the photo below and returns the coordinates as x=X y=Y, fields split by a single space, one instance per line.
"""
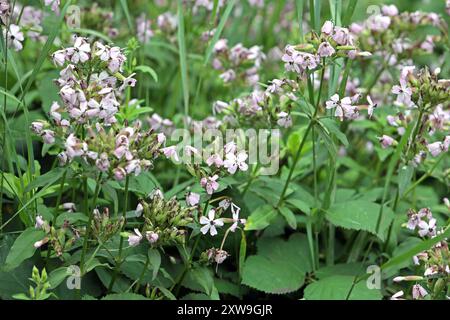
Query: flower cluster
x=260 y=108
x=61 y=239
x=237 y=63
x=165 y=221
x=387 y=34
x=91 y=85
x=425 y=94
x=434 y=262
x=103 y=227
x=332 y=42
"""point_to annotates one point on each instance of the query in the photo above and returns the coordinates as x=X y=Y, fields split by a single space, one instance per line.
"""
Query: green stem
x=141 y=277
x=294 y=164
x=119 y=258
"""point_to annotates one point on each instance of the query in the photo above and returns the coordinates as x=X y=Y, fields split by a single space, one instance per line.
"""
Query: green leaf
x=124 y=296
x=23 y=248
x=148 y=70
x=260 y=218
x=242 y=252
x=333 y=128
x=360 y=215
x=289 y=216
x=57 y=276
x=404 y=178
x=46 y=179
x=337 y=288
x=280 y=266
x=155 y=260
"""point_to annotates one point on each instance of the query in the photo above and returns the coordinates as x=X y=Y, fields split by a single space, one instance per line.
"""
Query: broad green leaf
x=360 y=215
x=280 y=266
x=260 y=218
x=23 y=248
x=57 y=276
x=337 y=287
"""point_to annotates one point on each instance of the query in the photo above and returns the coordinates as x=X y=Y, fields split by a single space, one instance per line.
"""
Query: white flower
x=135 y=239
x=235 y=210
x=210 y=223
x=344 y=108
x=14 y=37
x=81 y=51
x=139 y=210
x=403 y=93
x=210 y=184
x=397 y=295
x=39 y=222
x=171 y=152
x=427 y=228
x=233 y=162
x=372 y=106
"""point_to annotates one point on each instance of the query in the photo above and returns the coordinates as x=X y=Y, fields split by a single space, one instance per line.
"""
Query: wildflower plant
x=136 y=142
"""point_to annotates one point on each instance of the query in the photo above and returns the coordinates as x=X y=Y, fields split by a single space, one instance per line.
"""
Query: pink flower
x=48 y=136
x=210 y=184
x=135 y=239
x=390 y=10
x=325 y=49
x=327 y=28
x=102 y=162
x=171 y=152
x=284 y=120
x=119 y=173
x=344 y=108
x=342 y=36
x=403 y=93
x=192 y=199
x=386 y=141
x=418 y=292
x=235 y=161
x=215 y=159
x=39 y=222
x=427 y=229
x=151 y=236
x=37 y=127
x=80 y=51
x=210 y=223
x=437 y=148
x=228 y=75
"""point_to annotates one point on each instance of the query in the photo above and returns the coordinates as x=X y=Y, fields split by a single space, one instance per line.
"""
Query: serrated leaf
x=360 y=215
x=337 y=288
x=279 y=267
